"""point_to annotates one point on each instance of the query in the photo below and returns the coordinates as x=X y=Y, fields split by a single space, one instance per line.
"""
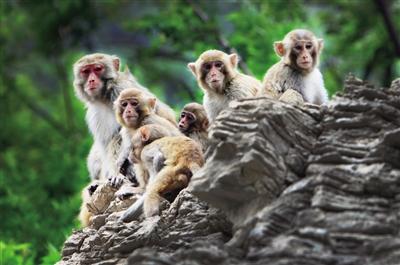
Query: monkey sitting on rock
x=297 y=72
x=217 y=75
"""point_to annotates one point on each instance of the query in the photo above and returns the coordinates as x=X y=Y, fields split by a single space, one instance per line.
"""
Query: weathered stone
x=302 y=185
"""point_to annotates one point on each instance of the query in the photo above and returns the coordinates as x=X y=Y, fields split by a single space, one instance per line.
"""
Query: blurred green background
x=44 y=138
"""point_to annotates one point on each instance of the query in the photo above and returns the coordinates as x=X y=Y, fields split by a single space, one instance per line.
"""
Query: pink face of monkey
x=130 y=109
x=304 y=54
x=214 y=75
x=92 y=75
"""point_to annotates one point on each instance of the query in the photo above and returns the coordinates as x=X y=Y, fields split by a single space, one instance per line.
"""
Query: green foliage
x=15 y=254
x=44 y=139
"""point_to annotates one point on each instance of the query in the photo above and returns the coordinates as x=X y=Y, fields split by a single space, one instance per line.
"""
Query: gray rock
x=299 y=185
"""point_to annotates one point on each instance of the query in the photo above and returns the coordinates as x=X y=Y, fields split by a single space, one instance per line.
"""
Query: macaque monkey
x=97 y=83
x=193 y=123
x=298 y=67
x=134 y=109
x=171 y=162
x=217 y=74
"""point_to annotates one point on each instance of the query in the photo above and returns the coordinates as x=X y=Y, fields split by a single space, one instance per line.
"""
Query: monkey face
x=129 y=109
x=186 y=121
x=214 y=75
x=92 y=75
x=304 y=52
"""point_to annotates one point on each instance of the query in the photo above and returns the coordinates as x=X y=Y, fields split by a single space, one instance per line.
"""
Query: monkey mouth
x=92 y=86
x=306 y=63
x=131 y=117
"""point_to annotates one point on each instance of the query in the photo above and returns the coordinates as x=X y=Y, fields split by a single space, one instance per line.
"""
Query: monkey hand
x=116 y=181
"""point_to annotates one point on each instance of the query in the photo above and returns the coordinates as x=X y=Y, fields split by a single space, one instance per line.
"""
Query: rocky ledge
x=282 y=184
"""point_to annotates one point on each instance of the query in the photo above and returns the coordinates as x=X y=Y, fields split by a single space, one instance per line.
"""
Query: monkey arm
x=125 y=149
x=94 y=161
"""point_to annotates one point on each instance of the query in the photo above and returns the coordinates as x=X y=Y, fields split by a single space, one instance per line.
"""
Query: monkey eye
x=134 y=103
x=98 y=68
x=298 y=47
x=218 y=64
x=308 y=46
x=124 y=104
x=207 y=66
x=85 y=71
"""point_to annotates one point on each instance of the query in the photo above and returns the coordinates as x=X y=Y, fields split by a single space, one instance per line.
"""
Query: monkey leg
x=166 y=182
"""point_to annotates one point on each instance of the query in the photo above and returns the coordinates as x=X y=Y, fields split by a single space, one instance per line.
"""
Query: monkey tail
x=134 y=211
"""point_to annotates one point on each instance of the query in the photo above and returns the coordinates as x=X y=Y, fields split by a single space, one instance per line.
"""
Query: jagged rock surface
x=301 y=185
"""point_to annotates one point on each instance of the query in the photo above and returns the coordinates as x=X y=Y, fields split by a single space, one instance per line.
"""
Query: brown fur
x=181 y=158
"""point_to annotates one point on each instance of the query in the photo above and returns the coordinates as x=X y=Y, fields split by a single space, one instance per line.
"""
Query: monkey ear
x=192 y=67
x=116 y=63
x=234 y=59
x=152 y=102
x=144 y=134
x=279 y=48
x=320 y=44
x=205 y=124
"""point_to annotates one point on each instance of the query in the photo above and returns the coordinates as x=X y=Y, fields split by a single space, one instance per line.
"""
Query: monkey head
x=214 y=69
x=132 y=106
x=300 y=49
x=193 y=118
x=91 y=73
x=144 y=136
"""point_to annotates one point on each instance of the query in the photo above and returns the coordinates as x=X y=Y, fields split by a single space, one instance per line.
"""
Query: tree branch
x=203 y=16
x=390 y=27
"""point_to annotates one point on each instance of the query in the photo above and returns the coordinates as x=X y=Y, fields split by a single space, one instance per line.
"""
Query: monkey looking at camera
x=134 y=109
x=193 y=123
x=298 y=67
x=217 y=74
x=170 y=160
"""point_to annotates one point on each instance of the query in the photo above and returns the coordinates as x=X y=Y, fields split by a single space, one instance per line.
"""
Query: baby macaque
x=170 y=160
x=193 y=123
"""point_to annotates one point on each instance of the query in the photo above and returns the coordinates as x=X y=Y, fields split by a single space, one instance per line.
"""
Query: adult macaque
x=193 y=123
x=134 y=109
x=171 y=161
x=218 y=76
x=298 y=67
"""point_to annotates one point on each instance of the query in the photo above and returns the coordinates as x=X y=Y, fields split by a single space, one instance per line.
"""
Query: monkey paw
x=116 y=181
